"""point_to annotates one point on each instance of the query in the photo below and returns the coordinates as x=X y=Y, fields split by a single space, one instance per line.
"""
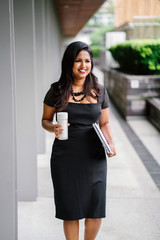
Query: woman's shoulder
x=101 y=90
x=54 y=85
x=54 y=88
x=51 y=95
x=103 y=98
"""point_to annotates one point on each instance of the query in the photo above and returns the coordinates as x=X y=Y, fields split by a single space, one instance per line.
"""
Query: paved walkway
x=133 y=199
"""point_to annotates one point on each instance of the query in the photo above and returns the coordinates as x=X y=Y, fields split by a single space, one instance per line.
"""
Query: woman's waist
x=80 y=132
x=74 y=126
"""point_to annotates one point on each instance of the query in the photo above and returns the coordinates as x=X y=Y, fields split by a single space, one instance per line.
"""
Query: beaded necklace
x=78 y=94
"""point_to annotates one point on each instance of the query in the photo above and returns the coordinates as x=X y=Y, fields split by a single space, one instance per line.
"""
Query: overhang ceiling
x=74 y=14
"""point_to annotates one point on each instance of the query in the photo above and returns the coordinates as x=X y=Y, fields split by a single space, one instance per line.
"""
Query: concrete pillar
x=48 y=58
x=25 y=100
x=8 y=193
x=53 y=44
x=39 y=76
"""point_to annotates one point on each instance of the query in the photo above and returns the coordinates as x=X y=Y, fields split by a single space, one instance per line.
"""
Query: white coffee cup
x=62 y=118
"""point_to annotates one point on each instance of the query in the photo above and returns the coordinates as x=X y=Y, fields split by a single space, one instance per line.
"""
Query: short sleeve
x=105 y=99
x=49 y=97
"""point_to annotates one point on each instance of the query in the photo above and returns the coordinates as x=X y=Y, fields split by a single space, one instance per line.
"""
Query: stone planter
x=130 y=92
x=153 y=110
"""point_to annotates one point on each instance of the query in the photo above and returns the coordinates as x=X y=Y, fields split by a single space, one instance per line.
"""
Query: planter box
x=130 y=92
x=153 y=110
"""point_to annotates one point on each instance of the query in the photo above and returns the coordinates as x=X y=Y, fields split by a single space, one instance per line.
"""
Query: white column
x=53 y=45
x=48 y=58
x=39 y=76
x=8 y=193
x=25 y=100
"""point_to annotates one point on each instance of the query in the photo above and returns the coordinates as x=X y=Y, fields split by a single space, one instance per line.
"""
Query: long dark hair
x=62 y=88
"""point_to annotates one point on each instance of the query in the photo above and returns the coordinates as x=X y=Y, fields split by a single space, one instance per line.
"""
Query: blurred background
x=125 y=38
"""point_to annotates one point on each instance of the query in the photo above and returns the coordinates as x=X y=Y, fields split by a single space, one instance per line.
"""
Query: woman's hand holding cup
x=57 y=129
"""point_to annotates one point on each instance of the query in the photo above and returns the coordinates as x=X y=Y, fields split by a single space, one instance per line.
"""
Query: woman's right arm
x=47 y=118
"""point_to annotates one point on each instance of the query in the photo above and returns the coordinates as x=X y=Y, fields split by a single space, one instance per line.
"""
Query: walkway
x=133 y=199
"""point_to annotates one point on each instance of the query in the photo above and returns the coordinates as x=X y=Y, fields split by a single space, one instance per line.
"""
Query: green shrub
x=96 y=50
x=138 y=56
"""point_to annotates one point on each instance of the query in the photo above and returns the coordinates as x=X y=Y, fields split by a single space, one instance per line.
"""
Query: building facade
x=139 y=19
x=126 y=10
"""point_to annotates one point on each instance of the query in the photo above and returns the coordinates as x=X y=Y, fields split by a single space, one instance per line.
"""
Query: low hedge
x=138 y=56
x=96 y=50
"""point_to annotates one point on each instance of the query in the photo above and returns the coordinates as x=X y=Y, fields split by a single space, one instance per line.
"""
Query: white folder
x=102 y=138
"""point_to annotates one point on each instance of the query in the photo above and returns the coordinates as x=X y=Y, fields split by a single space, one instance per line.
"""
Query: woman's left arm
x=106 y=130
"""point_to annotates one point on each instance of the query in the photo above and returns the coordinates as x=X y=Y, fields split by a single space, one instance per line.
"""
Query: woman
x=78 y=165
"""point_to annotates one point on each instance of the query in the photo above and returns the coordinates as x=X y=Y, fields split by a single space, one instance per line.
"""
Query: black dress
x=78 y=165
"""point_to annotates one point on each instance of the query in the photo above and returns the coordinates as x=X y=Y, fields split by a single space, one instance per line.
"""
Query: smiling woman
x=78 y=164
x=73 y=69
x=81 y=68
x=82 y=65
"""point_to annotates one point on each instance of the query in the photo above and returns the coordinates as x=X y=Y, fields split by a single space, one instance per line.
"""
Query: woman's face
x=82 y=65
